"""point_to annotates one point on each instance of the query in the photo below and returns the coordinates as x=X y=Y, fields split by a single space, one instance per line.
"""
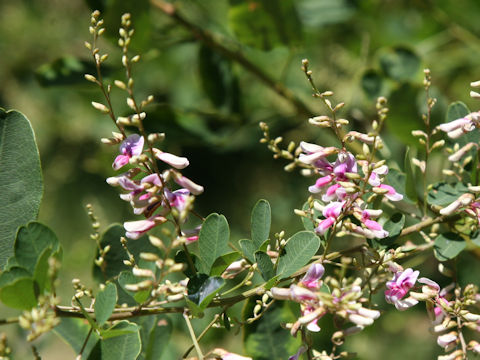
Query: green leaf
x=248 y=249
x=261 y=220
x=114 y=258
x=121 y=342
x=155 y=338
x=181 y=257
x=223 y=262
x=216 y=77
x=394 y=225
x=443 y=194
x=265 y=339
x=265 y=265
x=31 y=242
x=308 y=224
x=202 y=289
x=74 y=332
x=372 y=84
x=105 y=303
x=400 y=63
x=21 y=183
x=67 y=70
x=126 y=278
x=410 y=183
x=299 y=250
x=332 y=12
x=40 y=275
x=11 y=275
x=264 y=24
x=448 y=245
x=212 y=241
x=19 y=294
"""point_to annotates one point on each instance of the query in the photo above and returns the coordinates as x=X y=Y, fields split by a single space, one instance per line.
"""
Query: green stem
x=192 y=335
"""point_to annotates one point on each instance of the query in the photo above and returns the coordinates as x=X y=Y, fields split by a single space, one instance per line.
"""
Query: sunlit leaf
x=448 y=245
x=299 y=250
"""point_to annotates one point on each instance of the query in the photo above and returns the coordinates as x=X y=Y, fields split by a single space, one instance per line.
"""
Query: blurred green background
x=213 y=83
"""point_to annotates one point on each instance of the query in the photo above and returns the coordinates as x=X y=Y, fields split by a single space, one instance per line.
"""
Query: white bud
x=100 y=107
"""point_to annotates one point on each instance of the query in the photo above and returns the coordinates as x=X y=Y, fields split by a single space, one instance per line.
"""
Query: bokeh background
x=214 y=80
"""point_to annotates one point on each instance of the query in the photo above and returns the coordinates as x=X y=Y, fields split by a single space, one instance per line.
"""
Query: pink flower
x=391 y=194
x=131 y=146
x=316 y=155
x=135 y=229
x=372 y=225
x=374 y=179
x=399 y=286
x=177 y=198
x=331 y=212
x=312 y=277
x=320 y=184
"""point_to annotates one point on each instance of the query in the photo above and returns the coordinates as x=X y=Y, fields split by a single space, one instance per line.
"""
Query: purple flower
x=316 y=155
x=312 y=277
x=399 y=286
x=131 y=146
x=372 y=225
x=177 y=198
x=300 y=351
x=345 y=163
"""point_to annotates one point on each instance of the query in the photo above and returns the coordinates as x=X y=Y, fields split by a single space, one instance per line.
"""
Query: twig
x=85 y=343
x=192 y=335
x=202 y=334
x=209 y=40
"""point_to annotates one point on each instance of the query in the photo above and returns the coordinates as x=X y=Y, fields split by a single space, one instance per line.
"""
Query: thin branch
x=209 y=40
x=192 y=335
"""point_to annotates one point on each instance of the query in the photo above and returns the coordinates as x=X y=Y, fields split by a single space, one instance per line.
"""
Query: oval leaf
x=121 y=342
x=299 y=250
x=261 y=221
x=21 y=183
x=448 y=245
x=212 y=241
x=105 y=303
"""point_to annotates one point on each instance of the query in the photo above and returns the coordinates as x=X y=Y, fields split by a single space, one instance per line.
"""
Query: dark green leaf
x=105 y=303
x=448 y=245
x=372 y=84
x=263 y=24
x=121 y=342
x=410 y=183
x=21 y=183
x=114 y=258
x=67 y=70
x=74 y=332
x=202 y=289
x=126 y=278
x=261 y=220
x=158 y=338
x=443 y=194
x=248 y=249
x=181 y=257
x=265 y=265
x=223 y=262
x=299 y=250
x=394 y=225
x=400 y=64
x=212 y=241
x=266 y=339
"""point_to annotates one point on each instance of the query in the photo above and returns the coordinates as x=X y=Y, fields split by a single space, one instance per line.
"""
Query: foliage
x=374 y=207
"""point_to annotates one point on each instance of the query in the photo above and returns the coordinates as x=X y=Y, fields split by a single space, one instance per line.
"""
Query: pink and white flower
x=312 y=277
x=391 y=193
x=458 y=127
x=135 y=229
x=131 y=146
x=399 y=286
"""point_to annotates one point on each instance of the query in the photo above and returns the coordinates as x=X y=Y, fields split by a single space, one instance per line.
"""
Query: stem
x=84 y=345
x=192 y=335
x=215 y=318
x=462 y=339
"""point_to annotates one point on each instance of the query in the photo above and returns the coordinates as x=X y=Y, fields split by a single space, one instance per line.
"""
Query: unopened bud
x=100 y=107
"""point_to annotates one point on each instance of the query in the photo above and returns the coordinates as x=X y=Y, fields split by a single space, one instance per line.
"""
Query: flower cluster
x=341 y=186
x=345 y=300
x=147 y=191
